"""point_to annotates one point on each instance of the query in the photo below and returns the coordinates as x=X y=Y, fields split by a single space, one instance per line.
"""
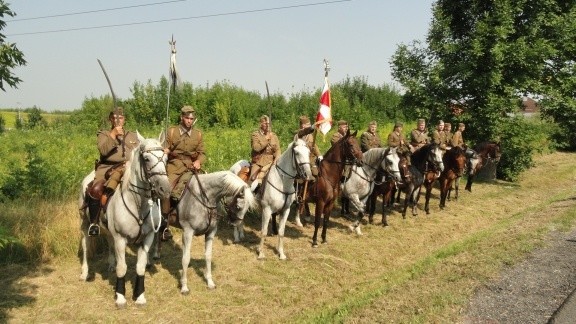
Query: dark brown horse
x=325 y=190
x=454 y=166
x=484 y=153
x=428 y=160
x=412 y=180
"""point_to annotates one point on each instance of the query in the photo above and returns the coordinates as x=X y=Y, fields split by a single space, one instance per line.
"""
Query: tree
x=10 y=55
x=483 y=56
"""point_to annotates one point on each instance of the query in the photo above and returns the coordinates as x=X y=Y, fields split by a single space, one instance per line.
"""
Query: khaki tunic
x=369 y=141
x=314 y=152
x=439 y=137
x=185 y=147
x=396 y=139
x=457 y=139
x=336 y=137
x=449 y=136
x=111 y=152
x=418 y=139
x=264 y=151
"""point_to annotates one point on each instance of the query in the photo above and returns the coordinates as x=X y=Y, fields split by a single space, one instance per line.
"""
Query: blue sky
x=284 y=47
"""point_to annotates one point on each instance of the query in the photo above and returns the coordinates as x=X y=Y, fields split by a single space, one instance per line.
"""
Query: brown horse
x=484 y=153
x=326 y=188
x=454 y=166
x=428 y=160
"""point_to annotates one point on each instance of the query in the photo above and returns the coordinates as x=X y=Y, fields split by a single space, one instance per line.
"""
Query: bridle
x=299 y=166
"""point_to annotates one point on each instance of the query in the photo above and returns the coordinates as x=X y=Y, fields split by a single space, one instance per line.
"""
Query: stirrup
x=94 y=230
x=166 y=234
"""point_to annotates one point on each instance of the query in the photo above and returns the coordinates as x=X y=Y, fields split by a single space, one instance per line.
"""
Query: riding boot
x=94 y=213
x=165 y=232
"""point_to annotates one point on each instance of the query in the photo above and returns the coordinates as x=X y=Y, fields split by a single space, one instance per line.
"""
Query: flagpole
x=317 y=124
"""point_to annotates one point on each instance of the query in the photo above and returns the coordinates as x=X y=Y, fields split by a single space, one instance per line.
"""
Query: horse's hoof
x=315 y=245
x=185 y=292
x=261 y=256
x=282 y=257
x=324 y=242
x=211 y=286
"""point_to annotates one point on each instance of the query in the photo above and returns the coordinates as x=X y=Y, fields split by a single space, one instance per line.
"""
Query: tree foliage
x=10 y=55
x=482 y=56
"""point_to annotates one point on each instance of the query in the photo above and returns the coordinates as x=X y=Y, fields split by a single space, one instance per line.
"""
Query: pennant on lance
x=324 y=116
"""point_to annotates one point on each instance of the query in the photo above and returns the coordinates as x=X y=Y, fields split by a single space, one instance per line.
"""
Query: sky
x=246 y=43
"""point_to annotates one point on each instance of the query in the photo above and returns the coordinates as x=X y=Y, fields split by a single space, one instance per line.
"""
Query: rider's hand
x=196 y=165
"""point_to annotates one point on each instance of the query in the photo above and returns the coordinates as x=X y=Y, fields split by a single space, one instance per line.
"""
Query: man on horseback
x=396 y=138
x=449 y=135
x=113 y=146
x=439 y=136
x=370 y=139
x=315 y=154
x=418 y=136
x=265 y=151
x=457 y=139
x=342 y=129
x=185 y=149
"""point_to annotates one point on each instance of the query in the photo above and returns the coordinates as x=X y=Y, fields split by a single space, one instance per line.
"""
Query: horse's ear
x=353 y=134
x=296 y=137
x=140 y=137
x=162 y=137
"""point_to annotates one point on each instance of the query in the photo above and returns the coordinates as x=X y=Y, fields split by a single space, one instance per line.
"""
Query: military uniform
x=457 y=139
x=336 y=137
x=439 y=137
x=186 y=147
x=314 y=153
x=264 y=152
x=396 y=139
x=369 y=141
x=418 y=139
x=449 y=136
x=113 y=156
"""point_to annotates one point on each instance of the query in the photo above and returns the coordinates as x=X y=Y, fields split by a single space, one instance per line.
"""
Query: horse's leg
x=469 y=182
x=408 y=189
x=386 y=198
x=297 y=214
x=428 y=185
x=186 y=246
x=84 y=243
x=371 y=204
x=355 y=226
x=208 y=241
x=456 y=185
x=318 y=217
x=281 y=230
x=157 y=246
x=239 y=232
x=444 y=186
x=327 y=210
x=415 y=197
x=111 y=253
x=274 y=227
x=266 y=215
x=142 y=261
x=120 y=249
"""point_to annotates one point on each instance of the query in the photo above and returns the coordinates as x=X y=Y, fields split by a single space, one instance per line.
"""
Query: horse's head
x=237 y=205
x=495 y=153
x=351 y=148
x=153 y=165
x=458 y=160
x=403 y=166
x=390 y=163
x=301 y=158
x=435 y=156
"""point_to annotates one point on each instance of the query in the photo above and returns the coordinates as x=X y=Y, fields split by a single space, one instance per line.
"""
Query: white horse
x=360 y=184
x=277 y=191
x=198 y=214
x=132 y=215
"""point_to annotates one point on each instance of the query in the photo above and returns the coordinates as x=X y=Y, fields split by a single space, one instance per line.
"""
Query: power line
x=184 y=18
x=95 y=11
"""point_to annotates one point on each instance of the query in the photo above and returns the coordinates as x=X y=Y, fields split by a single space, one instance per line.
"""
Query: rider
x=185 y=149
x=265 y=151
x=114 y=146
x=457 y=139
x=418 y=136
x=370 y=139
x=342 y=129
x=449 y=135
x=439 y=136
x=315 y=155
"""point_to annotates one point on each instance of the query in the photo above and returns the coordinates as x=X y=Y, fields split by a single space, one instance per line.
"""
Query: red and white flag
x=324 y=116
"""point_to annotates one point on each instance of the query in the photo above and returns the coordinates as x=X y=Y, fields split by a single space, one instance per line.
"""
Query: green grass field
x=11 y=116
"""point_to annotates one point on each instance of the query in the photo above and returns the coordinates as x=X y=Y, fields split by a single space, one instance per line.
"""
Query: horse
x=326 y=188
x=411 y=184
x=132 y=214
x=485 y=152
x=454 y=166
x=428 y=160
x=277 y=192
x=362 y=181
x=197 y=214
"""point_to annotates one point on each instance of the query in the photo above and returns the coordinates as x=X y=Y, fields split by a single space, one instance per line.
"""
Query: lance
x=269 y=107
x=171 y=83
x=116 y=121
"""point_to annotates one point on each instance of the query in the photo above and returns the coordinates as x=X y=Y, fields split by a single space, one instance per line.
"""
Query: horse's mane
x=231 y=184
x=133 y=155
x=373 y=155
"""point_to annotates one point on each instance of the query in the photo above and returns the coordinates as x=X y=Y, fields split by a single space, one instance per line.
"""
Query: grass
x=419 y=270
x=11 y=116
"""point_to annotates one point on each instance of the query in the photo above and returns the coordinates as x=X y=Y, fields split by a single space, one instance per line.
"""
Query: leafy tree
x=35 y=118
x=482 y=56
x=2 y=125
x=10 y=55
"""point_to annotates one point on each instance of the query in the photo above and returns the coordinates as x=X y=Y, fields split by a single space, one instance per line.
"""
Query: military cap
x=398 y=124
x=461 y=125
x=119 y=111
x=264 y=118
x=440 y=122
x=187 y=110
x=342 y=122
x=372 y=123
x=447 y=125
x=304 y=120
x=421 y=121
